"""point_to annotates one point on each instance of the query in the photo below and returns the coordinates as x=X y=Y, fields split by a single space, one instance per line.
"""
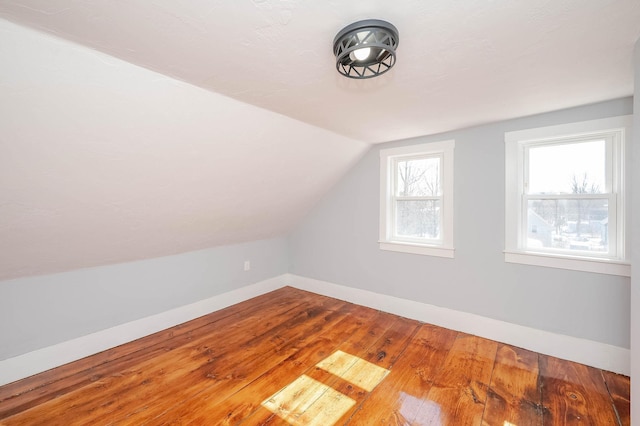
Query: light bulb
x=362 y=54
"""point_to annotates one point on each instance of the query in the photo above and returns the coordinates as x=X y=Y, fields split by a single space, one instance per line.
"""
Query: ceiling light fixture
x=366 y=48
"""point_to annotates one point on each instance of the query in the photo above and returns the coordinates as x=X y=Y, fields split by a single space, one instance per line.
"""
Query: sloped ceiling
x=102 y=161
x=149 y=127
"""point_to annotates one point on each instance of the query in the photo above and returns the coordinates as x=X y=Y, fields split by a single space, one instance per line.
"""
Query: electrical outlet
x=247 y=265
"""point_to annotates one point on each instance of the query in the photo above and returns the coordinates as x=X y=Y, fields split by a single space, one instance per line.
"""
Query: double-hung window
x=416 y=199
x=565 y=198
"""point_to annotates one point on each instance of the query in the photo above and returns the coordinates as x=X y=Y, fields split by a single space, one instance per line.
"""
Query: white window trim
x=514 y=167
x=386 y=242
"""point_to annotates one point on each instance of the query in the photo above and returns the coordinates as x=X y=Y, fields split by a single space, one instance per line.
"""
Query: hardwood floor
x=293 y=357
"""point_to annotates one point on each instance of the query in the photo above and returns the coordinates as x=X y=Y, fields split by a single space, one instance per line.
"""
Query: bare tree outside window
x=582 y=186
x=418 y=204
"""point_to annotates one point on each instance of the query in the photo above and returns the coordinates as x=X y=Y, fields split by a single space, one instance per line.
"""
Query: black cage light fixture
x=366 y=48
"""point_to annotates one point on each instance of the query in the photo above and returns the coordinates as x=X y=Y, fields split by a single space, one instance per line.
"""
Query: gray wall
x=337 y=242
x=635 y=248
x=36 y=312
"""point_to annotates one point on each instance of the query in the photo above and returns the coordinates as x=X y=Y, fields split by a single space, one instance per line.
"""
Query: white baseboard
x=40 y=360
x=595 y=354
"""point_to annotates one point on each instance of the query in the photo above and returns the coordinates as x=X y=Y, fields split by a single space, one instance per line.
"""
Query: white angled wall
x=102 y=161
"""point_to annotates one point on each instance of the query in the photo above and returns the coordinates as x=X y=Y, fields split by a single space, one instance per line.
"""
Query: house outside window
x=416 y=199
x=565 y=196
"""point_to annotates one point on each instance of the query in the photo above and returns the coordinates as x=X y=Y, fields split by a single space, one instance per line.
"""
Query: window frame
x=389 y=159
x=616 y=132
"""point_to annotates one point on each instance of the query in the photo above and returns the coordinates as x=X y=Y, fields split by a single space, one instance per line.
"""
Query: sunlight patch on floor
x=306 y=401
x=354 y=370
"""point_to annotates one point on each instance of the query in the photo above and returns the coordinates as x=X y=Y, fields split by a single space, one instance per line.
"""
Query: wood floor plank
x=514 y=395
x=382 y=352
x=386 y=353
x=102 y=371
x=574 y=394
x=229 y=369
x=619 y=387
x=396 y=400
x=40 y=388
x=199 y=360
x=459 y=391
x=231 y=408
x=362 y=338
x=317 y=361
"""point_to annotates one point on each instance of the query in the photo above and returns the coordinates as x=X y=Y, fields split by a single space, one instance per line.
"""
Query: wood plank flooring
x=293 y=357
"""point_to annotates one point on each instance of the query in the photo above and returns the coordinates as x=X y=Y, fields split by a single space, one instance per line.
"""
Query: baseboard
x=40 y=360
x=596 y=354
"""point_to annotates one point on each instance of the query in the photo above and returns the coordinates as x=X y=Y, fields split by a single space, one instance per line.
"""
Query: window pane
x=418 y=177
x=418 y=219
x=571 y=168
x=568 y=225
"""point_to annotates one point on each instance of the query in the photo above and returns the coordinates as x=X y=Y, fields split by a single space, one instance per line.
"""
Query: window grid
x=395 y=198
x=594 y=236
x=428 y=228
x=607 y=194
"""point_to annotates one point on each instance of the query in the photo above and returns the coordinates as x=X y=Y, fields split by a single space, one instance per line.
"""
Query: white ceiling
x=460 y=63
x=143 y=128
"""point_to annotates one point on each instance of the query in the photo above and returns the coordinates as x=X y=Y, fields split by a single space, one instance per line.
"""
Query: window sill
x=598 y=266
x=417 y=249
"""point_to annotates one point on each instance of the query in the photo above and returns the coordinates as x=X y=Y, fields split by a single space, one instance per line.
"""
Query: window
x=416 y=199
x=565 y=199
